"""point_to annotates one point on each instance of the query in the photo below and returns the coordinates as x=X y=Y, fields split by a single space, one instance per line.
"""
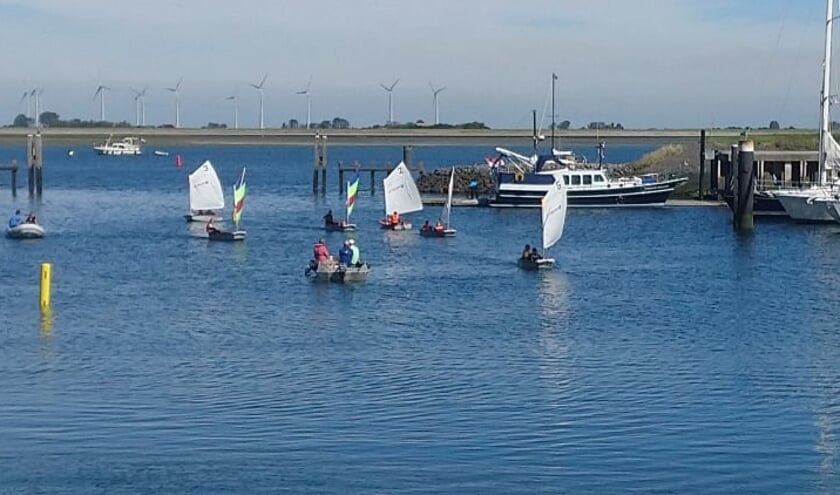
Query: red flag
x=178 y=161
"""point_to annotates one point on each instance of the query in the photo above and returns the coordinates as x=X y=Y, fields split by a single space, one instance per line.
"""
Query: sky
x=642 y=63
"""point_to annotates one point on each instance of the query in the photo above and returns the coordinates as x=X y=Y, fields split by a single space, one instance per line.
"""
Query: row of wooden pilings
x=35 y=166
x=319 y=171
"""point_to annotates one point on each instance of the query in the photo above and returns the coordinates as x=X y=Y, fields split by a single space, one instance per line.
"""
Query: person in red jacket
x=320 y=251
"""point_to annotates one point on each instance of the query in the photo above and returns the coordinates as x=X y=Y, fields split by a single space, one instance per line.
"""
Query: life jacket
x=395 y=219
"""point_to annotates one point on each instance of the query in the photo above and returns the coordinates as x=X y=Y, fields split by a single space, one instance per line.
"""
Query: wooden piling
x=372 y=181
x=743 y=220
x=14 y=169
x=340 y=178
x=702 y=163
x=407 y=156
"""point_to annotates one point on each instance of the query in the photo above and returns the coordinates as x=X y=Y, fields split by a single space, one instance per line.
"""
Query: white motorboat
x=127 y=146
x=26 y=231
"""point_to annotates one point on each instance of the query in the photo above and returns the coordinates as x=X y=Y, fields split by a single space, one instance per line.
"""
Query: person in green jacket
x=356 y=258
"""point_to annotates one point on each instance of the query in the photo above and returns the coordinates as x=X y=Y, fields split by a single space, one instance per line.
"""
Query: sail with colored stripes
x=352 y=192
x=239 y=198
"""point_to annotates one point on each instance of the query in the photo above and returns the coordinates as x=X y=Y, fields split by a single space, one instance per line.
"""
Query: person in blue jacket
x=15 y=220
x=345 y=255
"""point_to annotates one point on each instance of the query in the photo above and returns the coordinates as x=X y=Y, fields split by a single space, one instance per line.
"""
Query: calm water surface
x=664 y=354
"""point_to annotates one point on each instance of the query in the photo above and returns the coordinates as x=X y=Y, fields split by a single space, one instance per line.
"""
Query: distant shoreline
x=157 y=137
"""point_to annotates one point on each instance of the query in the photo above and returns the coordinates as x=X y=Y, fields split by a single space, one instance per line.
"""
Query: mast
x=536 y=138
x=825 y=119
x=553 y=78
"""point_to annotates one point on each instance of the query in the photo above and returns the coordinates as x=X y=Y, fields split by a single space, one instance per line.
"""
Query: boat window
x=566 y=179
x=575 y=180
x=587 y=180
x=599 y=178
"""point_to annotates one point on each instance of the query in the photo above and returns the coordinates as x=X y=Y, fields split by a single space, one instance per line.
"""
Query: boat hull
x=202 y=218
x=220 y=235
x=764 y=204
x=529 y=190
x=26 y=231
x=803 y=207
x=400 y=226
x=332 y=272
x=533 y=266
x=340 y=227
x=438 y=233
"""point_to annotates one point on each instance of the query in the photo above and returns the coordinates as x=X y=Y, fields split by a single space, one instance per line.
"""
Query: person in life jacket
x=210 y=228
x=345 y=254
x=438 y=226
x=328 y=218
x=395 y=218
x=426 y=227
x=320 y=251
x=526 y=254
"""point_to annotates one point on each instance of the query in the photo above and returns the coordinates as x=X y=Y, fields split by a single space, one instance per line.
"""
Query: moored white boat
x=809 y=205
x=26 y=231
x=128 y=146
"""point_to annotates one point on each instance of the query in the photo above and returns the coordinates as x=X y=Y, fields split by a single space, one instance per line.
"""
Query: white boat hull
x=804 y=206
x=203 y=218
x=26 y=231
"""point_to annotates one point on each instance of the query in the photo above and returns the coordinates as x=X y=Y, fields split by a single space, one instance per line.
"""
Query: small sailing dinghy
x=401 y=197
x=352 y=193
x=25 y=231
x=238 y=206
x=446 y=229
x=206 y=195
x=554 y=205
x=161 y=153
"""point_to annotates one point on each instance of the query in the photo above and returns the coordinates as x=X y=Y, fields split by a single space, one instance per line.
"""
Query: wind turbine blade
x=384 y=87
x=180 y=79
x=309 y=83
x=263 y=80
x=255 y=86
x=394 y=85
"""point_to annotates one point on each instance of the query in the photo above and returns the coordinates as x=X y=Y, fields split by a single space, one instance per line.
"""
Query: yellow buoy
x=46 y=280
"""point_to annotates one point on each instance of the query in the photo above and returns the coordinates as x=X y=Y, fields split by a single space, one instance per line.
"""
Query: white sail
x=447 y=208
x=205 y=189
x=401 y=194
x=832 y=152
x=553 y=214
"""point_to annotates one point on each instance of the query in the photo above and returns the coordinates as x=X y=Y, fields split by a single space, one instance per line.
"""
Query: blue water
x=664 y=354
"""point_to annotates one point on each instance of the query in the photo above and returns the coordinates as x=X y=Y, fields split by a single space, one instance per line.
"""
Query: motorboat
x=127 y=146
x=26 y=231
x=332 y=271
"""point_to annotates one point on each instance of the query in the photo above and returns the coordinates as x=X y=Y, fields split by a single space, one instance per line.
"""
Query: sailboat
x=238 y=206
x=554 y=206
x=206 y=196
x=446 y=230
x=816 y=203
x=401 y=197
x=352 y=193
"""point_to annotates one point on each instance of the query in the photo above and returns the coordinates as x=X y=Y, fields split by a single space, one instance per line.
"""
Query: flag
x=239 y=197
x=352 y=190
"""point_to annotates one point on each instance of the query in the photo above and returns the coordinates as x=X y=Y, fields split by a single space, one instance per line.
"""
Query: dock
x=440 y=199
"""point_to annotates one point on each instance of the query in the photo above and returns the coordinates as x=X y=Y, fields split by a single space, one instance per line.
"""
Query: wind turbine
x=308 y=102
x=100 y=92
x=37 y=92
x=140 y=107
x=435 y=93
x=390 y=90
x=259 y=87
x=177 y=102
x=26 y=97
x=235 y=111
